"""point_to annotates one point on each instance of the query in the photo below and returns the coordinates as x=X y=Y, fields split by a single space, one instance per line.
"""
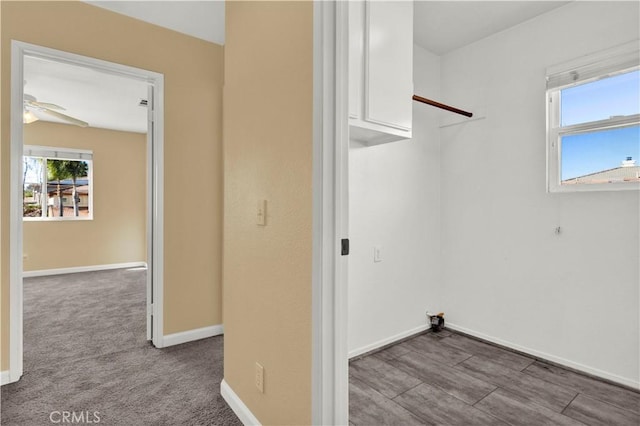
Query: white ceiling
x=111 y=102
x=439 y=26
x=443 y=26
x=103 y=100
x=201 y=19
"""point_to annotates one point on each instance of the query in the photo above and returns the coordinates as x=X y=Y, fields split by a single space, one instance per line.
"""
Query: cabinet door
x=388 y=64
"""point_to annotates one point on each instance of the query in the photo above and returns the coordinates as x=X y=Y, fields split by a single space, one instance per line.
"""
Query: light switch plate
x=260 y=377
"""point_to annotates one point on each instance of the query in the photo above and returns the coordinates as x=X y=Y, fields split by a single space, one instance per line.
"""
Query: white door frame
x=330 y=364
x=155 y=186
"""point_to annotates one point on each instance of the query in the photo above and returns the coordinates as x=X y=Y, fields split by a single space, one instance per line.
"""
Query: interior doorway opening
x=28 y=107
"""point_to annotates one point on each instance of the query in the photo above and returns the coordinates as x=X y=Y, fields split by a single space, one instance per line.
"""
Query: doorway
x=154 y=187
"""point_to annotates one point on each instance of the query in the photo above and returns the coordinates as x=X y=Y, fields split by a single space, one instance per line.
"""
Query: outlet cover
x=377 y=254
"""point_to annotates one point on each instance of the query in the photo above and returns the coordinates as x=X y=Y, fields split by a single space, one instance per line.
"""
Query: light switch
x=260 y=378
x=377 y=254
x=262 y=213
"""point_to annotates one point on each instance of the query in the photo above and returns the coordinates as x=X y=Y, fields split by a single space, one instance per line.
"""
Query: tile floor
x=448 y=378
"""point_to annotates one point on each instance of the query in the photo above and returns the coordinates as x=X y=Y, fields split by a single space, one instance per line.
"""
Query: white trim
x=387 y=341
x=155 y=156
x=239 y=408
x=15 y=214
x=593 y=65
x=5 y=377
x=548 y=357
x=76 y=269
x=330 y=375
x=149 y=212
x=155 y=213
x=321 y=382
x=55 y=152
x=61 y=219
x=341 y=213
x=192 y=335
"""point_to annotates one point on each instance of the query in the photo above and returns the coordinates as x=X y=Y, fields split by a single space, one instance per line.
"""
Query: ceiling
x=201 y=19
x=443 y=26
x=439 y=26
x=109 y=101
x=103 y=100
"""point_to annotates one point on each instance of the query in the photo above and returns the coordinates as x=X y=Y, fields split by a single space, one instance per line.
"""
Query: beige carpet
x=86 y=353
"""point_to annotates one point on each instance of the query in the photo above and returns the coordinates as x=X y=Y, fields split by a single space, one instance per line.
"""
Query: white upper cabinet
x=380 y=70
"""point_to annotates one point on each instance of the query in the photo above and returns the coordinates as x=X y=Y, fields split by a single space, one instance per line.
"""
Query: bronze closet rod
x=443 y=106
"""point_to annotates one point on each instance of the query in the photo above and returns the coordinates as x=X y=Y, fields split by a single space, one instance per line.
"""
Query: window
x=594 y=122
x=56 y=184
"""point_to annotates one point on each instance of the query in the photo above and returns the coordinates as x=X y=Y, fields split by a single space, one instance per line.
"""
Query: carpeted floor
x=85 y=352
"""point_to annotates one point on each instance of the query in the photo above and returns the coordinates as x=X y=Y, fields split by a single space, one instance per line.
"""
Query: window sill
x=595 y=187
x=57 y=219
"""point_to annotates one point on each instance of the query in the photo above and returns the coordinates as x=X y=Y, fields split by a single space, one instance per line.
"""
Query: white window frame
x=618 y=60
x=48 y=152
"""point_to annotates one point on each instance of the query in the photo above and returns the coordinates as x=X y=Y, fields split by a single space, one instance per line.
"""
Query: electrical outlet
x=260 y=377
x=377 y=254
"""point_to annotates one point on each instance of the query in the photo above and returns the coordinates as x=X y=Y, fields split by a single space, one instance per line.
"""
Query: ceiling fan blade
x=46 y=105
x=66 y=118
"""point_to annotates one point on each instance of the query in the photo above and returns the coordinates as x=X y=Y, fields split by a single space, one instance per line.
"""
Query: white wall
x=394 y=192
x=573 y=297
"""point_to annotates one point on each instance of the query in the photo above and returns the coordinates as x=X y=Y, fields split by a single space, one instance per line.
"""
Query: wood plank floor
x=448 y=378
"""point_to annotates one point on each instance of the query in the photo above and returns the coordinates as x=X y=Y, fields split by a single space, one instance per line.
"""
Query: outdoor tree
x=58 y=171
x=26 y=168
x=32 y=187
x=76 y=169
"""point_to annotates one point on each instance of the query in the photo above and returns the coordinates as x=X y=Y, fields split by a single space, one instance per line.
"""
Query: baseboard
x=242 y=411
x=192 y=335
x=5 y=377
x=543 y=356
x=76 y=269
x=387 y=341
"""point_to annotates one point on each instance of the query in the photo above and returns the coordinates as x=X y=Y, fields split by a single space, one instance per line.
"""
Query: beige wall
x=268 y=155
x=193 y=72
x=117 y=233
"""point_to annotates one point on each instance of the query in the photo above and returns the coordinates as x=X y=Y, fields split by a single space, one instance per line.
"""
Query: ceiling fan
x=31 y=104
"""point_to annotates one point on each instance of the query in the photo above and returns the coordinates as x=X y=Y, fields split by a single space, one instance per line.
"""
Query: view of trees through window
x=55 y=188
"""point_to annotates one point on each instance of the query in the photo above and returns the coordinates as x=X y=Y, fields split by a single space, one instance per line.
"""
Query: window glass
x=602 y=156
x=601 y=99
x=33 y=182
x=56 y=188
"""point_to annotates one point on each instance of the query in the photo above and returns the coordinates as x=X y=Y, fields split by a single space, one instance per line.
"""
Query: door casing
x=330 y=364
x=154 y=189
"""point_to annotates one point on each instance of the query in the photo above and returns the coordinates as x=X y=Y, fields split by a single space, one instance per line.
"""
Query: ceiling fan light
x=28 y=117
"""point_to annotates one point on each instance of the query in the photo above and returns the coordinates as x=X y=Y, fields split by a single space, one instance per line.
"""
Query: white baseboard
x=5 y=377
x=242 y=411
x=388 y=340
x=73 y=270
x=548 y=357
x=192 y=335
